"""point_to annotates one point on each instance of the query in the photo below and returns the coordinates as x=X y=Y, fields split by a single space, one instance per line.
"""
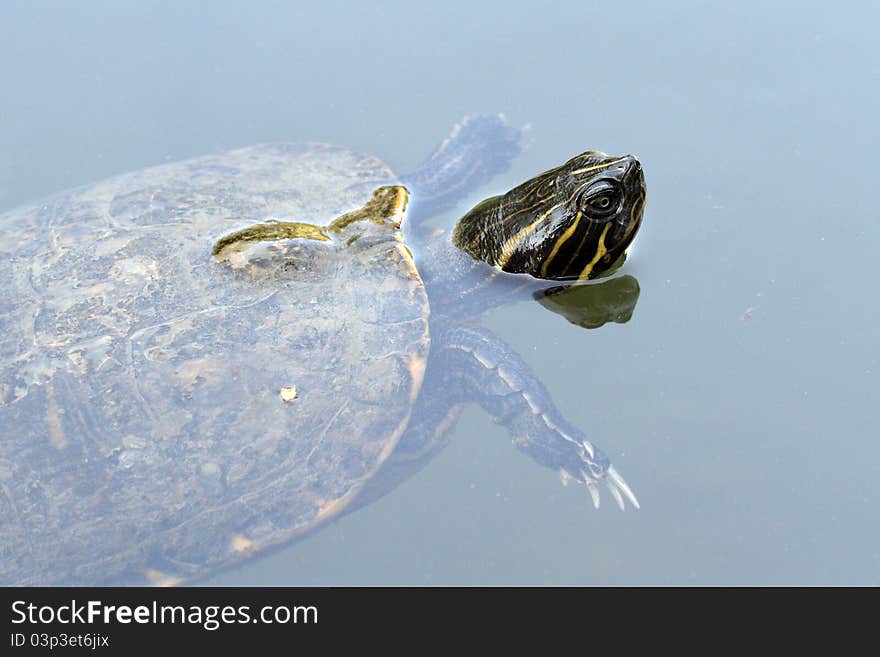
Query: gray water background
x=741 y=401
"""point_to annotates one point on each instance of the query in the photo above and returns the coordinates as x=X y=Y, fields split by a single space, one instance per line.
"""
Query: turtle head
x=573 y=222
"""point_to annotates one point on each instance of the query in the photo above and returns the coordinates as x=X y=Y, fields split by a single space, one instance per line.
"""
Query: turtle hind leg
x=478 y=148
x=265 y=232
x=384 y=209
x=480 y=367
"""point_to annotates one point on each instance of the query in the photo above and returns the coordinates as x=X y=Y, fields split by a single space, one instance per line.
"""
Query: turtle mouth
x=630 y=219
x=629 y=223
x=629 y=216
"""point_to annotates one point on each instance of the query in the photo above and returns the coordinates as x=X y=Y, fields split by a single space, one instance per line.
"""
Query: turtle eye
x=600 y=203
x=601 y=200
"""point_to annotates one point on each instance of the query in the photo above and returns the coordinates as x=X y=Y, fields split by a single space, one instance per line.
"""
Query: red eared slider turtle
x=166 y=413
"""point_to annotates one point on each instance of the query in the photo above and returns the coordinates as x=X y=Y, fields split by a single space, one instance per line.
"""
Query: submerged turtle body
x=206 y=359
x=158 y=409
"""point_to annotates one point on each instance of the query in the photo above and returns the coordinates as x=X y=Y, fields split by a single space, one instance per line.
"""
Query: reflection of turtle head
x=573 y=222
x=595 y=304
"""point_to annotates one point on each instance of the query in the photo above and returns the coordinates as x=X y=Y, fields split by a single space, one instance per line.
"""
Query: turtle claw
x=594 y=493
x=618 y=485
x=565 y=477
x=615 y=494
x=594 y=467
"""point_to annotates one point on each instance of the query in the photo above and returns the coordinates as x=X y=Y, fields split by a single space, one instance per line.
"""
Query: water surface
x=740 y=402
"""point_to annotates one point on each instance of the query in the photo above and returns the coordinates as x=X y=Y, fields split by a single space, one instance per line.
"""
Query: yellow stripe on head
x=512 y=242
x=596 y=167
x=600 y=252
x=568 y=233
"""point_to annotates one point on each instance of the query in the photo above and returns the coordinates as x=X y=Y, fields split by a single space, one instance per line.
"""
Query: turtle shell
x=164 y=415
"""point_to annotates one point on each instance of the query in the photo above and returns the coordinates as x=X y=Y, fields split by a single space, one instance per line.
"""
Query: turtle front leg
x=480 y=367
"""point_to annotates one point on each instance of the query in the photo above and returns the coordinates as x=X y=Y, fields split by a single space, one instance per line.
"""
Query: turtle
x=203 y=360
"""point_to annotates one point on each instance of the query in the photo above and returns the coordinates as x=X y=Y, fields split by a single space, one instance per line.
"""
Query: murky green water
x=741 y=400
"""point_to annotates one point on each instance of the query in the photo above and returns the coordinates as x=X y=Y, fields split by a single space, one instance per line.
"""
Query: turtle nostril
x=633 y=169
